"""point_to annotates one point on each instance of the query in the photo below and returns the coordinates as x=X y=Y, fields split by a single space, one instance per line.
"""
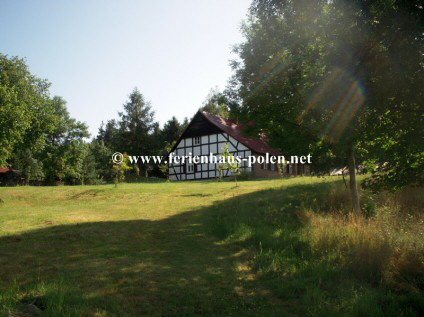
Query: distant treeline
x=40 y=139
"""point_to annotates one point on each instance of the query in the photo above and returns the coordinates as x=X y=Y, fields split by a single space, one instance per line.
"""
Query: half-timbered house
x=206 y=134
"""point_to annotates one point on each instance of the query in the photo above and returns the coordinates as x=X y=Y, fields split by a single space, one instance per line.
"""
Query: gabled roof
x=257 y=145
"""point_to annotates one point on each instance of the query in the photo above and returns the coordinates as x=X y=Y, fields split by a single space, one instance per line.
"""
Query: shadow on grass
x=87 y=193
x=175 y=266
x=196 y=263
x=197 y=195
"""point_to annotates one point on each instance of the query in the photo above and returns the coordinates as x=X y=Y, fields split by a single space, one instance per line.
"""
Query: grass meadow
x=284 y=247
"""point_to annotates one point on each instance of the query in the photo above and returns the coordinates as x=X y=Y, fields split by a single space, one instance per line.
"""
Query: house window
x=189 y=168
x=272 y=167
x=196 y=140
x=265 y=166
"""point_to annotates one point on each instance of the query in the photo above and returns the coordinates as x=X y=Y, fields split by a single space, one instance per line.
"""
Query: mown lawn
x=197 y=249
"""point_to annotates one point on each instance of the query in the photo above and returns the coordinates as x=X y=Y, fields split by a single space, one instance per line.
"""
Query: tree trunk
x=352 y=180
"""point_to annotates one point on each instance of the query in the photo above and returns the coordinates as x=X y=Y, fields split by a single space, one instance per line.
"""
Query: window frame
x=189 y=168
x=197 y=140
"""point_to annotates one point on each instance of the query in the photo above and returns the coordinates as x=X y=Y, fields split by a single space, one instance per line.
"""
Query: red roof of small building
x=258 y=145
x=6 y=170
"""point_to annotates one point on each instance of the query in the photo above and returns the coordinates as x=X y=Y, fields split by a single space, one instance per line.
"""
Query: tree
x=37 y=135
x=109 y=134
x=64 y=152
x=101 y=155
x=317 y=77
x=119 y=169
x=215 y=103
x=228 y=163
x=23 y=101
x=185 y=124
x=172 y=130
x=137 y=127
x=32 y=169
x=137 y=133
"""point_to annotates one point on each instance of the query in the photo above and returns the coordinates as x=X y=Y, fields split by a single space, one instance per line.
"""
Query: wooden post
x=352 y=179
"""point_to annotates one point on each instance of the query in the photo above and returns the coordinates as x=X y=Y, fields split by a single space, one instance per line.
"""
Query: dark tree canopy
x=339 y=79
x=172 y=130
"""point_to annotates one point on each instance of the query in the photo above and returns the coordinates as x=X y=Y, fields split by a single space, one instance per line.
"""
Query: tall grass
x=42 y=299
x=315 y=253
x=386 y=248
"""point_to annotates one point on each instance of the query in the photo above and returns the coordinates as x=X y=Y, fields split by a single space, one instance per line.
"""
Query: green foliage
x=136 y=132
x=327 y=76
x=23 y=107
x=216 y=103
x=64 y=151
x=100 y=154
x=368 y=205
x=109 y=134
x=137 y=127
x=31 y=168
x=228 y=163
x=37 y=134
x=120 y=168
x=171 y=131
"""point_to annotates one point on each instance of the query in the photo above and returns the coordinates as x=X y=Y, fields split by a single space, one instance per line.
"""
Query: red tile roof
x=258 y=145
x=6 y=169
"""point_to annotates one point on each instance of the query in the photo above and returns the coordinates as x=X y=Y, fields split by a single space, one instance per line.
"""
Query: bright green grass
x=170 y=249
x=138 y=249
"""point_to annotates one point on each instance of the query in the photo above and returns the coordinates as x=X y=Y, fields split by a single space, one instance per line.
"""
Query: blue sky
x=94 y=52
